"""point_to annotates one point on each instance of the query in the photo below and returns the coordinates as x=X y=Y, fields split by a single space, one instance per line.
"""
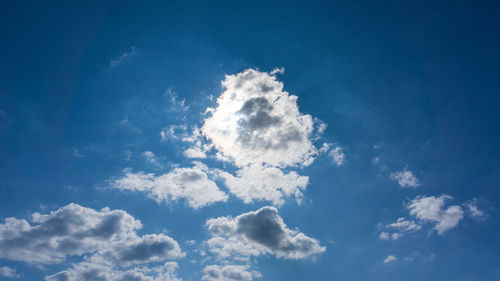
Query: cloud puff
x=431 y=209
x=256 y=122
x=338 y=156
x=70 y=230
x=192 y=184
x=102 y=271
x=405 y=178
x=229 y=272
x=390 y=258
x=261 y=182
x=8 y=272
x=260 y=232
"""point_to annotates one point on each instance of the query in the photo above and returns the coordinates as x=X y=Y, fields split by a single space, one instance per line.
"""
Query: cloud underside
x=107 y=238
x=257 y=233
x=191 y=184
x=229 y=273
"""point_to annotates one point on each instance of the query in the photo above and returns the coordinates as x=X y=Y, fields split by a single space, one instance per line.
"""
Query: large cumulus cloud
x=256 y=122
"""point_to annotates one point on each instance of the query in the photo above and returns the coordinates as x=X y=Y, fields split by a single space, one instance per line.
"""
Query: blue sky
x=249 y=141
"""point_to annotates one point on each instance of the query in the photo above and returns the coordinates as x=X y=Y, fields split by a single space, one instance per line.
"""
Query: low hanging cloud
x=257 y=122
x=259 y=232
x=229 y=273
x=192 y=184
x=405 y=178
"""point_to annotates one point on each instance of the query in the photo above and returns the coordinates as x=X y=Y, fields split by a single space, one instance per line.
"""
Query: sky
x=262 y=140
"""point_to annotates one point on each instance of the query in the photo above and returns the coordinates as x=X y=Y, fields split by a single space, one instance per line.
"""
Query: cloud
x=229 y=272
x=261 y=182
x=337 y=155
x=256 y=122
x=388 y=236
x=260 y=232
x=70 y=230
x=405 y=225
x=101 y=270
x=405 y=178
x=8 y=272
x=390 y=258
x=151 y=158
x=192 y=184
x=432 y=209
x=123 y=57
x=474 y=210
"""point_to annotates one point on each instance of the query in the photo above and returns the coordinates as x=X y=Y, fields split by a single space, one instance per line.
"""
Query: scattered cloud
x=229 y=273
x=176 y=102
x=192 y=184
x=123 y=57
x=259 y=232
x=402 y=224
x=151 y=158
x=70 y=230
x=431 y=209
x=338 y=156
x=474 y=211
x=390 y=258
x=8 y=272
x=405 y=178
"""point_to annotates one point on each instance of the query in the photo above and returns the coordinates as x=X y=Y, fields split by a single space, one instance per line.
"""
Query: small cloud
x=123 y=57
x=337 y=155
x=390 y=258
x=151 y=158
x=176 y=102
x=77 y=153
x=8 y=272
x=405 y=178
x=474 y=210
x=277 y=70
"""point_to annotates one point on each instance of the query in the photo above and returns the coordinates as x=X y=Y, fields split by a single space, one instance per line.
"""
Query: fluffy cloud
x=390 y=258
x=432 y=209
x=405 y=178
x=338 y=156
x=70 y=230
x=229 y=272
x=260 y=182
x=405 y=225
x=259 y=232
x=192 y=184
x=8 y=272
x=256 y=122
x=103 y=271
x=107 y=238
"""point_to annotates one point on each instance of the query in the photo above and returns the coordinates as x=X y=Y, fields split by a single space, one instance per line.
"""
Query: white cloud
x=151 y=158
x=8 y=272
x=176 y=102
x=101 y=270
x=432 y=209
x=256 y=122
x=229 y=273
x=259 y=232
x=337 y=155
x=388 y=236
x=261 y=182
x=405 y=178
x=192 y=184
x=194 y=152
x=123 y=57
x=390 y=258
x=474 y=210
x=405 y=225
x=70 y=230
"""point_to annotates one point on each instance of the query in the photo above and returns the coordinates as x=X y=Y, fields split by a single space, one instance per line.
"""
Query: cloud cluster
x=192 y=184
x=428 y=210
x=107 y=238
x=259 y=232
